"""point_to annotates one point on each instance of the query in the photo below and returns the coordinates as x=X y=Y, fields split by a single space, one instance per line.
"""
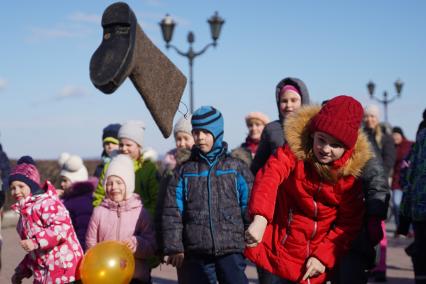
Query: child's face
x=130 y=148
x=255 y=128
x=203 y=139
x=289 y=102
x=65 y=183
x=109 y=147
x=327 y=149
x=397 y=138
x=19 y=190
x=115 y=188
x=184 y=140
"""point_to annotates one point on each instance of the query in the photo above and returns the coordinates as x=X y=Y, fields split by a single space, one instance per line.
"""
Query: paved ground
x=399 y=265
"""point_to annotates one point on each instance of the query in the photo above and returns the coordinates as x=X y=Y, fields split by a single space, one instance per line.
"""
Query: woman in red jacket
x=307 y=204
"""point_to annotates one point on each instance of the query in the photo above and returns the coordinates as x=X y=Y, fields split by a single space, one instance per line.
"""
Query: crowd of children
x=303 y=198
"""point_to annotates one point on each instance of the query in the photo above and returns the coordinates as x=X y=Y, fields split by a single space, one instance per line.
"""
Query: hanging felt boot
x=126 y=51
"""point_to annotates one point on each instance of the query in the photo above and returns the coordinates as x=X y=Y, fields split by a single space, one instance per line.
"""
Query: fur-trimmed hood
x=298 y=136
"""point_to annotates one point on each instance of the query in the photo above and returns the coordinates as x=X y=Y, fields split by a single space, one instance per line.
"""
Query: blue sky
x=48 y=104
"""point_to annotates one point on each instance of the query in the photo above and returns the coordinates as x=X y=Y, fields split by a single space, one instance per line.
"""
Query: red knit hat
x=341 y=118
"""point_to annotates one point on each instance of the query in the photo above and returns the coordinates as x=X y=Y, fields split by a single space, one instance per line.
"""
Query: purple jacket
x=126 y=220
x=79 y=203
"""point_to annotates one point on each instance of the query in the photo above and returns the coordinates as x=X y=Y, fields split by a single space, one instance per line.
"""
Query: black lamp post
x=386 y=100
x=167 y=26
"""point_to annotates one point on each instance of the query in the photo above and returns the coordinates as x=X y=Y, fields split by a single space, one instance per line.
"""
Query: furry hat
x=341 y=118
x=26 y=172
x=183 y=125
x=133 y=130
x=122 y=167
x=72 y=167
x=257 y=115
x=372 y=110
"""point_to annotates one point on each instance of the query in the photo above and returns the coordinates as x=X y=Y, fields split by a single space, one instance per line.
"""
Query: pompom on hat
x=122 y=167
x=26 y=172
x=257 y=115
x=341 y=118
x=72 y=167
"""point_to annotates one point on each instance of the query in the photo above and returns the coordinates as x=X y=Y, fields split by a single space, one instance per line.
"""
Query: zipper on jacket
x=210 y=210
x=288 y=229
x=119 y=221
x=314 y=231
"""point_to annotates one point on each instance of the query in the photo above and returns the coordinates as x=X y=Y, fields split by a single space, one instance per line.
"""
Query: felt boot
x=126 y=51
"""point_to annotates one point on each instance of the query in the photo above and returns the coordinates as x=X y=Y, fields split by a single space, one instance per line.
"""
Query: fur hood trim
x=298 y=136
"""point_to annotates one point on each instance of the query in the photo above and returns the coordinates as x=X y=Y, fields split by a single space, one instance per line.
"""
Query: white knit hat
x=133 y=130
x=183 y=125
x=372 y=110
x=72 y=167
x=122 y=167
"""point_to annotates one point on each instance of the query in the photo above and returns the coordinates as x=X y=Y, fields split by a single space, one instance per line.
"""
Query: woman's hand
x=255 y=231
x=175 y=260
x=314 y=267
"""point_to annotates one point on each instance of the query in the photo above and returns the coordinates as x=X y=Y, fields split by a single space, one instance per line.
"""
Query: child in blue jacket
x=204 y=213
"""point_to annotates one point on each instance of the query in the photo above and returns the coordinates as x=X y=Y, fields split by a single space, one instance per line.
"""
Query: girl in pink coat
x=122 y=217
x=45 y=228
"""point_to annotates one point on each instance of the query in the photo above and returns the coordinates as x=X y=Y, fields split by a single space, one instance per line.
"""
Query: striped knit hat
x=209 y=119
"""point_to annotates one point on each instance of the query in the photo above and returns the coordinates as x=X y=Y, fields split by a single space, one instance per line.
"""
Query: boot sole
x=111 y=63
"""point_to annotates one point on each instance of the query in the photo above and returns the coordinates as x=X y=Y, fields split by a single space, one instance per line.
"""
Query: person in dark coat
x=5 y=171
x=290 y=94
x=77 y=194
x=413 y=208
x=384 y=149
x=403 y=147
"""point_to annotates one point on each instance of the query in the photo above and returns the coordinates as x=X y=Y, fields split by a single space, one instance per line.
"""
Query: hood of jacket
x=299 y=84
x=82 y=187
x=48 y=190
x=298 y=136
x=126 y=205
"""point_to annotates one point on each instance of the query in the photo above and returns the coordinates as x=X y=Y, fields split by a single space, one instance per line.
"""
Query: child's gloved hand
x=255 y=231
x=375 y=232
x=131 y=244
x=314 y=267
x=16 y=279
x=175 y=260
x=28 y=245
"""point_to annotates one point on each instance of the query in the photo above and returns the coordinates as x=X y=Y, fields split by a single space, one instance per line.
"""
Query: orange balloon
x=108 y=262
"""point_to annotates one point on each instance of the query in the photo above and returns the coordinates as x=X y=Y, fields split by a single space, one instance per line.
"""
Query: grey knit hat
x=183 y=125
x=133 y=130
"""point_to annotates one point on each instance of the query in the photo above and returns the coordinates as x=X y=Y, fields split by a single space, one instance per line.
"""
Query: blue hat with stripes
x=210 y=119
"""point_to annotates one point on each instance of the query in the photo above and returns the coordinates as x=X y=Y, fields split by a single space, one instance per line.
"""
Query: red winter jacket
x=308 y=215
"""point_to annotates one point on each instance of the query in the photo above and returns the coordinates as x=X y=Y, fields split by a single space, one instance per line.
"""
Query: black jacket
x=204 y=209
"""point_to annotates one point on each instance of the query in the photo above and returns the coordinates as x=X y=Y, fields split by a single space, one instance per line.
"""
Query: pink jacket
x=44 y=220
x=126 y=220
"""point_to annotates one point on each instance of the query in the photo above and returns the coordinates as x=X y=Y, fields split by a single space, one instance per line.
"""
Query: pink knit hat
x=289 y=88
x=257 y=115
x=26 y=172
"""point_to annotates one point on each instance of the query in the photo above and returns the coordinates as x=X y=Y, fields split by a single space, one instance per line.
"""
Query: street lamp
x=167 y=26
x=386 y=100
